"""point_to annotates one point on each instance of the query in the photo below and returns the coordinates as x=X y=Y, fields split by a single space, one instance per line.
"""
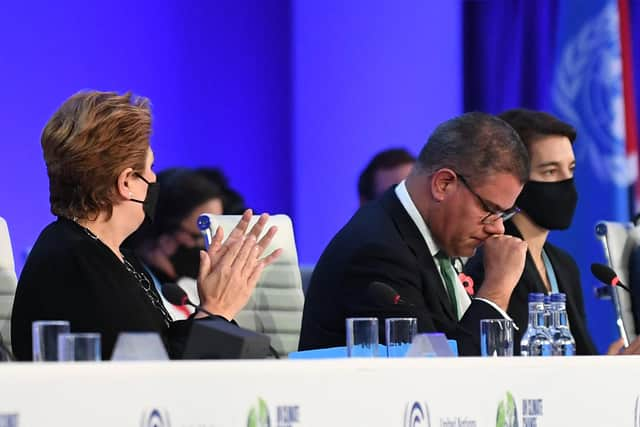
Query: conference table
x=445 y=392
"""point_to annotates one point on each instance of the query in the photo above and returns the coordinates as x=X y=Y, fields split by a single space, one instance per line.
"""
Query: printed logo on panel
x=155 y=418
x=259 y=415
x=286 y=415
x=416 y=414
x=532 y=411
x=507 y=415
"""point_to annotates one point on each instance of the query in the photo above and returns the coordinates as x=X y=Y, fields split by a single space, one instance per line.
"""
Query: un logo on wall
x=587 y=92
x=416 y=414
x=155 y=418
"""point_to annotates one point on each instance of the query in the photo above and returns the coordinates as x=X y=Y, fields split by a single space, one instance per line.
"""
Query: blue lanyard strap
x=550 y=273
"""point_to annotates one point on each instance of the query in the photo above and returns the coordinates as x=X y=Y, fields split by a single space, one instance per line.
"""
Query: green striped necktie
x=449 y=275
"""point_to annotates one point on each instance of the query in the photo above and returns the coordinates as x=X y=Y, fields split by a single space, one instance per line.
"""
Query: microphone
x=606 y=275
x=609 y=277
x=383 y=294
x=177 y=296
x=204 y=225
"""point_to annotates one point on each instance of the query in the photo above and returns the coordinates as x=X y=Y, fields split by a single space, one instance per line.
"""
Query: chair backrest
x=306 y=271
x=8 y=282
x=618 y=240
x=275 y=308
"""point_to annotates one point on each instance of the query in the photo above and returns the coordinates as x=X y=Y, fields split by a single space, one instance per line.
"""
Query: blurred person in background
x=386 y=169
x=232 y=201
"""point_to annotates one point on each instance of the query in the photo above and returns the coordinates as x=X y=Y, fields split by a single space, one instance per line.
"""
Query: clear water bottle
x=548 y=319
x=534 y=299
x=536 y=341
x=563 y=342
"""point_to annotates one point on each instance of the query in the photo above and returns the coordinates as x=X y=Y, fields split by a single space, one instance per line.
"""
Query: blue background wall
x=367 y=76
x=291 y=98
x=217 y=73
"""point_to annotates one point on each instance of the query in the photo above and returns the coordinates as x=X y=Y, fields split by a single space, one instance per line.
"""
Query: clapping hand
x=229 y=271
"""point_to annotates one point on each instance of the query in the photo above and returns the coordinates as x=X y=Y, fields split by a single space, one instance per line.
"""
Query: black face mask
x=549 y=204
x=186 y=261
x=151 y=200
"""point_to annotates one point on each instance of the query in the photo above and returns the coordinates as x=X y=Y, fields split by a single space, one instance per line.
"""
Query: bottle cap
x=536 y=297
x=559 y=297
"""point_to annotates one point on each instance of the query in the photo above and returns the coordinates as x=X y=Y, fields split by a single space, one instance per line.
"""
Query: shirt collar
x=412 y=210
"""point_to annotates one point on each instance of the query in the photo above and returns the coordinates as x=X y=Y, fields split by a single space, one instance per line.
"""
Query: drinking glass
x=399 y=333
x=79 y=347
x=44 y=338
x=362 y=337
x=496 y=337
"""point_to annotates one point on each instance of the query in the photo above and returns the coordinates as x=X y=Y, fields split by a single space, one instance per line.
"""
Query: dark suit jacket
x=71 y=276
x=382 y=243
x=568 y=277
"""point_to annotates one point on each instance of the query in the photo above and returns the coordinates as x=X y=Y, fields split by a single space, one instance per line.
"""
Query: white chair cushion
x=6 y=304
x=6 y=253
x=618 y=240
x=8 y=282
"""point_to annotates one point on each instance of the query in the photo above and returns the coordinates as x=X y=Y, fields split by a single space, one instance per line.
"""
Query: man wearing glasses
x=463 y=186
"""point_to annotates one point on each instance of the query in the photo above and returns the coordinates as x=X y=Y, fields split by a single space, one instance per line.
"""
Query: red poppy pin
x=467 y=282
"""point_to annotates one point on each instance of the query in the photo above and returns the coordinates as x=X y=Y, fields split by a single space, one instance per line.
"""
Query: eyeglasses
x=492 y=214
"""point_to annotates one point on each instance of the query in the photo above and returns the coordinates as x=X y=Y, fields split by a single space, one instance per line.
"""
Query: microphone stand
x=619 y=322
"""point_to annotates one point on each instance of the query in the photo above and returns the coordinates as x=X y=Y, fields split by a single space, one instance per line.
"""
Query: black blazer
x=382 y=243
x=71 y=276
x=568 y=277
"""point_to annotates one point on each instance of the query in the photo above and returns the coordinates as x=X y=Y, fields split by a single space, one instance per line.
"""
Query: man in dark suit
x=463 y=186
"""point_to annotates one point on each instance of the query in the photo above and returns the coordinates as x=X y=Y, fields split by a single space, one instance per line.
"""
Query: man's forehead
x=500 y=188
